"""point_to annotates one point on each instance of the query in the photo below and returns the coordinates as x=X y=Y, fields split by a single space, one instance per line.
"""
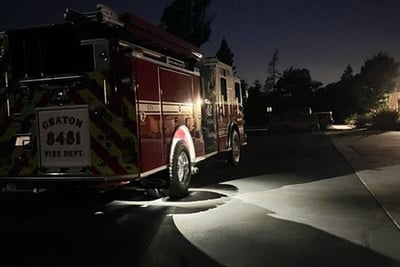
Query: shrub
x=386 y=119
x=359 y=120
x=351 y=120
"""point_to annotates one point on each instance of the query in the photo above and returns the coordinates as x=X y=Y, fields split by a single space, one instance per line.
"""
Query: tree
x=272 y=74
x=363 y=92
x=187 y=19
x=339 y=97
x=347 y=74
x=224 y=53
x=255 y=106
x=297 y=87
x=377 y=80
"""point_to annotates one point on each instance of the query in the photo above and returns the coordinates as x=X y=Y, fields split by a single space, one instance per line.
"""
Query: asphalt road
x=293 y=201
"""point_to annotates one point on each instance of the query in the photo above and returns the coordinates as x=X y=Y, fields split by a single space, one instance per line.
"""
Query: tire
x=180 y=173
x=155 y=193
x=234 y=153
x=315 y=128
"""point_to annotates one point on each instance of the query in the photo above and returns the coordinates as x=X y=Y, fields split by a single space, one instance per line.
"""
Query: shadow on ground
x=75 y=230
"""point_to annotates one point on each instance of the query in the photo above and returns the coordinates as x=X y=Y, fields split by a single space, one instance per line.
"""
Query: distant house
x=394 y=98
x=394 y=101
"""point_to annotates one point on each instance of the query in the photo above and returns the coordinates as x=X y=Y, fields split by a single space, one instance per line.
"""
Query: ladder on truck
x=138 y=30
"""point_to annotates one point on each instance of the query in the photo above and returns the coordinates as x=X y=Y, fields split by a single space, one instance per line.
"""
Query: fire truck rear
x=107 y=98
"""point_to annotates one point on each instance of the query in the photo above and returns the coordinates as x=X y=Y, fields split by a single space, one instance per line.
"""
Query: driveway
x=375 y=158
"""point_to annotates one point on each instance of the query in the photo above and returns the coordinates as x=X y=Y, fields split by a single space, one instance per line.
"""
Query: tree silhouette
x=272 y=74
x=347 y=74
x=297 y=87
x=339 y=97
x=187 y=19
x=255 y=106
x=225 y=54
x=376 y=81
x=363 y=92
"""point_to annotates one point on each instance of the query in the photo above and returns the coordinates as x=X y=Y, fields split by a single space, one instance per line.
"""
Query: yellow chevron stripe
x=8 y=134
x=122 y=131
x=98 y=77
x=113 y=150
x=131 y=109
x=28 y=168
x=103 y=169
x=95 y=132
x=94 y=102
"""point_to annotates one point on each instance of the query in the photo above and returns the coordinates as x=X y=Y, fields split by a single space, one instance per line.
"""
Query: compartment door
x=149 y=115
x=208 y=115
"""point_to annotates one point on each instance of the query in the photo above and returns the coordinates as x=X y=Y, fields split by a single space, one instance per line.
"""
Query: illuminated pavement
x=245 y=224
x=375 y=157
x=303 y=216
x=294 y=201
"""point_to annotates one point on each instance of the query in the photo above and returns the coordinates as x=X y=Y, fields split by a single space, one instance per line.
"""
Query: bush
x=360 y=121
x=351 y=120
x=386 y=120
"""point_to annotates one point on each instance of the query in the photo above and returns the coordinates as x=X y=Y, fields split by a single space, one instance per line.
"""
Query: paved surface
x=294 y=201
x=375 y=157
x=297 y=204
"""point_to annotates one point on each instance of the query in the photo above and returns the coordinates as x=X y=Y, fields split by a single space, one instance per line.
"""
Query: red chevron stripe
x=43 y=101
x=105 y=156
x=7 y=124
x=96 y=90
x=15 y=109
x=130 y=123
x=102 y=124
x=16 y=168
x=131 y=126
x=108 y=130
x=94 y=170
x=34 y=172
x=17 y=105
x=76 y=98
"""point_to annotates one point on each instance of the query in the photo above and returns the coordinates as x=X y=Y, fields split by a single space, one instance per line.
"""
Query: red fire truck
x=108 y=98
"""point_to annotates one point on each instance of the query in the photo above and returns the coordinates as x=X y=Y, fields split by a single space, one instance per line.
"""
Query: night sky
x=322 y=36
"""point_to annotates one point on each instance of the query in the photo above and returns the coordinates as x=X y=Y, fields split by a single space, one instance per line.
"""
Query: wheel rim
x=183 y=167
x=235 y=148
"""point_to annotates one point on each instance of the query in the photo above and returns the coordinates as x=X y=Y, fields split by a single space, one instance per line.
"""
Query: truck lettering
x=52 y=153
x=65 y=153
x=62 y=120
x=73 y=153
x=61 y=138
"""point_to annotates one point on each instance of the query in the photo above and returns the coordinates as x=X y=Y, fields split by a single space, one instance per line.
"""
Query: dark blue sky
x=323 y=36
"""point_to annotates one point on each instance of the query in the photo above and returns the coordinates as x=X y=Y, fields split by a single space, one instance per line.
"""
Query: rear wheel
x=314 y=127
x=155 y=192
x=234 y=155
x=180 y=173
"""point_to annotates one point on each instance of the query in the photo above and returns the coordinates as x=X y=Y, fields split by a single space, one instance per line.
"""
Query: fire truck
x=108 y=98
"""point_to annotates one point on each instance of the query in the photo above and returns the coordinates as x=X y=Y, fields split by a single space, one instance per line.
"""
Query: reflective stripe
x=177 y=108
x=223 y=132
x=153 y=171
x=152 y=107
